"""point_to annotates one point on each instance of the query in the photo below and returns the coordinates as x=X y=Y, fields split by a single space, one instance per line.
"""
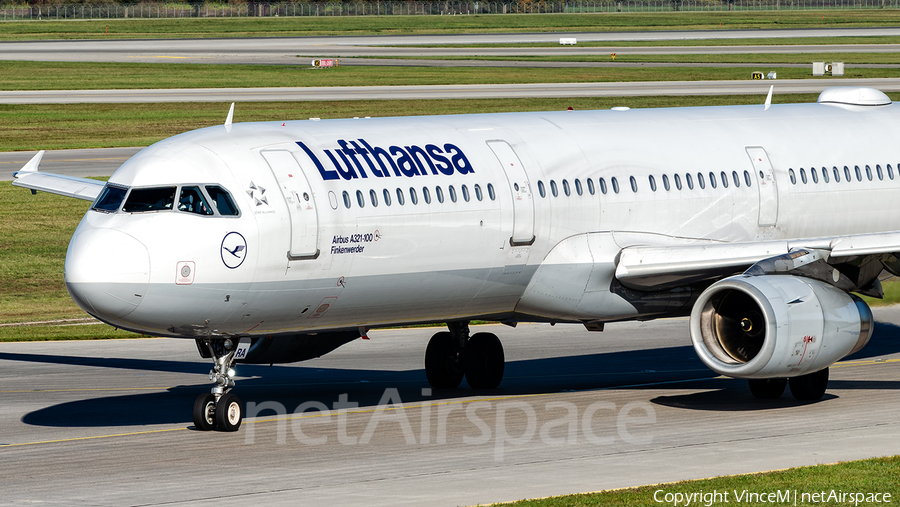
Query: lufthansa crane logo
x=234 y=250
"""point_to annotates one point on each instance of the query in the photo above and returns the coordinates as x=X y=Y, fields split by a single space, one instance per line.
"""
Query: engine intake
x=777 y=326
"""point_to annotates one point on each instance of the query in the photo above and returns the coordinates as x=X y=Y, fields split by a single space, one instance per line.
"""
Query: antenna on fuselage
x=768 y=99
x=229 y=118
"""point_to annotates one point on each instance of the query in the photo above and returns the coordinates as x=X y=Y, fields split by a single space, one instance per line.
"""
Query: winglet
x=32 y=165
x=230 y=116
x=769 y=97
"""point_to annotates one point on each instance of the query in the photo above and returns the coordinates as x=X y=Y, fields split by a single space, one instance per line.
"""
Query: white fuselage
x=314 y=251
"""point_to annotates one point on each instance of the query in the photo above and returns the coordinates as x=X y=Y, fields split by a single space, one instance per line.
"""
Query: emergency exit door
x=520 y=187
x=765 y=186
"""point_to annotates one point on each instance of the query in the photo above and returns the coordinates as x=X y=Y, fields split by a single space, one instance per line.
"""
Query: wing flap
x=70 y=186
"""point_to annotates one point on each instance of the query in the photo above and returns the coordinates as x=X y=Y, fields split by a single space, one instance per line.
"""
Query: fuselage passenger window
x=478 y=194
x=360 y=199
x=633 y=183
x=491 y=193
x=701 y=181
x=792 y=176
x=439 y=194
x=452 y=192
x=803 y=175
x=858 y=173
x=837 y=174
x=652 y=183
x=465 y=193
x=373 y=196
x=426 y=195
x=666 y=183
x=712 y=180
x=541 y=190
x=553 y=189
x=566 y=188
x=400 y=199
x=847 y=174
x=677 y=181
x=825 y=174
x=346 y=197
x=387 y=197
x=413 y=198
x=689 y=181
x=603 y=186
x=747 y=178
x=814 y=174
x=615 y=184
x=590 y=185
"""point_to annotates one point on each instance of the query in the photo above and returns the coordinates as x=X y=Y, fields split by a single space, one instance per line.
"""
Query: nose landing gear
x=218 y=408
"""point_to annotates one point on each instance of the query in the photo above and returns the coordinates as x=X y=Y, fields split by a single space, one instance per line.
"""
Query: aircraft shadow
x=291 y=385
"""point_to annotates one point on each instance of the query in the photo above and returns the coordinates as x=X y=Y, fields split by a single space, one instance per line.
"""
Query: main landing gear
x=809 y=387
x=454 y=354
x=218 y=408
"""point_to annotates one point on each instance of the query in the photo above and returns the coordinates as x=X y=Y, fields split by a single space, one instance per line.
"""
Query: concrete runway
x=285 y=50
x=424 y=92
x=108 y=422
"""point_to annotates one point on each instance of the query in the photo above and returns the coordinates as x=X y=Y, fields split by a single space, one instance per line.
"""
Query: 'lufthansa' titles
x=358 y=159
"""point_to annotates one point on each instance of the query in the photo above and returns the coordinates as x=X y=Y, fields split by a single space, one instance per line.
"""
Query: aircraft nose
x=107 y=272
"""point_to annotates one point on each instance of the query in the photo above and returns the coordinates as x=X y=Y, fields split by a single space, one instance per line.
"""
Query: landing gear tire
x=484 y=361
x=767 y=388
x=442 y=365
x=205 y=412
x=229 y=413
x=810 y=387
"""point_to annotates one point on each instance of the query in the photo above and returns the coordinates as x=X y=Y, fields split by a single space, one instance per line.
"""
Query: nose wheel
x=219 y=408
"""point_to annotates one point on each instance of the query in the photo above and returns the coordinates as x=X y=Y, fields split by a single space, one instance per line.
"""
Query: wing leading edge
x=70 y=186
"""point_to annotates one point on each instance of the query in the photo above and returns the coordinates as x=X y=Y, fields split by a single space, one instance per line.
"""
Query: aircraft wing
x=69 y=186
x=660 y=267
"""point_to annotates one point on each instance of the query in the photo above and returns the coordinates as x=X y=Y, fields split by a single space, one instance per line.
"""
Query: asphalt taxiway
x=108 y=422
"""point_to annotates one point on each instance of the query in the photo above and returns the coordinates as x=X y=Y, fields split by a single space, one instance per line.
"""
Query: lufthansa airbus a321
x=760 y=222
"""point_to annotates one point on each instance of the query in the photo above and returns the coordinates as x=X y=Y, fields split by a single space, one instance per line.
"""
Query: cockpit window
x=110 y=199
x=222 y=200
x=192 y=201
x=150 y=199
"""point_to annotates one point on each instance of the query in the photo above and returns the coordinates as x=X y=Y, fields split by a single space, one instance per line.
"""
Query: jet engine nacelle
x=777 y=326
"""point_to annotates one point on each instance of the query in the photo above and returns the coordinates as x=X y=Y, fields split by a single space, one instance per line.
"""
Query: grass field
x=63 y=126
x=350 y=25
x=867 y=476
x=17 y=75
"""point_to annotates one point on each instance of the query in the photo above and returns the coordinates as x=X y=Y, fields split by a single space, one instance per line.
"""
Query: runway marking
x=89 y=389
x=76 y=439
